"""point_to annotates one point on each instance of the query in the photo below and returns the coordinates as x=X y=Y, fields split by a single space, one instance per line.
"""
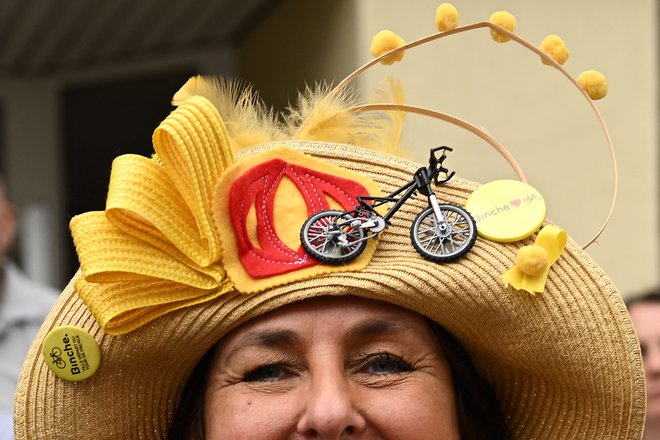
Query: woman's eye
x=267 y=373
x=385 y=363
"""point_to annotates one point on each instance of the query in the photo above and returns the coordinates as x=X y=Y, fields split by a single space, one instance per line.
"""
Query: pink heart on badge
x=516 y=202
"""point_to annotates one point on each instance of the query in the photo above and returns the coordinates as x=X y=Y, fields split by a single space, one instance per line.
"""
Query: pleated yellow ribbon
x=533 y=263
x=155 y=248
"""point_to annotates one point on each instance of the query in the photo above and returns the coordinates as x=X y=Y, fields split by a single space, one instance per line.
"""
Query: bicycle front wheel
x=444 y=241
x=329 y=237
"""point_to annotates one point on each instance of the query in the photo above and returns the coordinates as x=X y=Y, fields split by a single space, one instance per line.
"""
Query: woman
x=645 y=314
x=291 y=363
x=195 y=274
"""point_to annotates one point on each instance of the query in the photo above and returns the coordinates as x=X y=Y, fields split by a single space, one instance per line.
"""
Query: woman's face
x=646 y=320
x=331 y=368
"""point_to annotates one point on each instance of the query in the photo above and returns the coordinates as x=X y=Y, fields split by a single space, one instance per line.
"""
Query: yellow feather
x=249 y=122
x=329 y=118
x=388 y=125
x=317 y=116
x=320 y=118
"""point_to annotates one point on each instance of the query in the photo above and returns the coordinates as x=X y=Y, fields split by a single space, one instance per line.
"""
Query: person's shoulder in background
x=24 y=304
x=30 y=299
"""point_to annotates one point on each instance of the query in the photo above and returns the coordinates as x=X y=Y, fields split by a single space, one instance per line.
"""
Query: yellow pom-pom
x=556 y=48
x=594 y=83
x=446 y=17
x=383 y=42
x=531 y=260
x=503 y=19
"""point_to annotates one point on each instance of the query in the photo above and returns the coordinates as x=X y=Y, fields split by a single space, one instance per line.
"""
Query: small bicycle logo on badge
x=56 y=357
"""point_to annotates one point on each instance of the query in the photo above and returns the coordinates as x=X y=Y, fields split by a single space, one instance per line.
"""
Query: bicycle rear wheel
x=443 y=245
x=331 y=241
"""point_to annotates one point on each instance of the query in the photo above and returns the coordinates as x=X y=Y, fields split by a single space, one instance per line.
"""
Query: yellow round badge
x=506 y=210
x=71 y=353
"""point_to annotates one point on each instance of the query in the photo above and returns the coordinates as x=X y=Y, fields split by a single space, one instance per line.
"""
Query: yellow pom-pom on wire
x=446 y=17
x=594 y=83
x=531 y=260
x=385 y=41
x=556 y=48
x=503 y=19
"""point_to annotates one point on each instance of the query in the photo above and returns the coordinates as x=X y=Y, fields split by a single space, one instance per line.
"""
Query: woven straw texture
x=565 y=363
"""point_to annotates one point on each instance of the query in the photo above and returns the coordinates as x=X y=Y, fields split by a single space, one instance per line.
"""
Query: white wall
x=539 y=116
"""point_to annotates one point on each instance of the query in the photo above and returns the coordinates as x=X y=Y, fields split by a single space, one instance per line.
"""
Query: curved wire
x=472 y=128
x=452 y=120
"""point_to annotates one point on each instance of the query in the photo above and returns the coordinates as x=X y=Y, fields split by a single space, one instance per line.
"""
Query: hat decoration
x=259 y=206
x=533 y=262
x=193 y=223
x=155 y=248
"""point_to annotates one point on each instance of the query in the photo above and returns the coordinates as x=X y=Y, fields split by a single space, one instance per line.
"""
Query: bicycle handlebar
x=435 y=165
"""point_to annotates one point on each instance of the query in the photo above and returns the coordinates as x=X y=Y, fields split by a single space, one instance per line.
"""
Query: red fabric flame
x=258 y=187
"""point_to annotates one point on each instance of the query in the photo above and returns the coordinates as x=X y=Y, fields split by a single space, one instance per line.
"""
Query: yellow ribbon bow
x=533 y=262
x=155 y=248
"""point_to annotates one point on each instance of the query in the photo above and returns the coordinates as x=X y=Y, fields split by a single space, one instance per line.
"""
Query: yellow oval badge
x=506 y=210
x=71 y=353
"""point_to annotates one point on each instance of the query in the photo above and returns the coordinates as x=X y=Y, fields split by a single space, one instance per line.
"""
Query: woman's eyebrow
x=378 y=327
x=265 y=339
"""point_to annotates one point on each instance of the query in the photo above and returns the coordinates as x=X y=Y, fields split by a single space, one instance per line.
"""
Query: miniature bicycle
x=440 y=233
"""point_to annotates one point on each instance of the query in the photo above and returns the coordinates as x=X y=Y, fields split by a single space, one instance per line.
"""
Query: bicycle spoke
x=447 y=243
x=330 y=236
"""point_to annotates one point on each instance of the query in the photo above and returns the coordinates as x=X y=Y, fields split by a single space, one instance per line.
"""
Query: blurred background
x=83 y=81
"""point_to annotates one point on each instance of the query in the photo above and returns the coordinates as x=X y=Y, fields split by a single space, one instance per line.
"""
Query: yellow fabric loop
x=155 y=248
x=107 y=254
x=553 y=240
x=142 y=202
x=193 y=145
x=123 y=307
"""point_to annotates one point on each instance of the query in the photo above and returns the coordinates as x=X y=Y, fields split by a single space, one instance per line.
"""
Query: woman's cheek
x=424 y=410
x=249 y=416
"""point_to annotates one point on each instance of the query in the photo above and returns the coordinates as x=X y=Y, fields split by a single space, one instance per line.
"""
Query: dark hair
x=188 y=420
x=652 y=296
x=477 y=408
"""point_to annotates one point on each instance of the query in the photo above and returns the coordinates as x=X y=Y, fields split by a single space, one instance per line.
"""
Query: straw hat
x=166 y=272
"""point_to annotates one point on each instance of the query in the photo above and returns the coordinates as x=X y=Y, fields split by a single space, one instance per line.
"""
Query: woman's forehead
x=351 y=315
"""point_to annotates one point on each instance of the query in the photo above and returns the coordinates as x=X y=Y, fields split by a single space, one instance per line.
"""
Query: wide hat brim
x=564 y=363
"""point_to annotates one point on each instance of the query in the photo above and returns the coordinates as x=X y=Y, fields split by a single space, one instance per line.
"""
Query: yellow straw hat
x=169 y=268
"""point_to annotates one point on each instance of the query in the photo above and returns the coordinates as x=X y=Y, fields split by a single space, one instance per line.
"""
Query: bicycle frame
x=371 y=203
x=421 y=182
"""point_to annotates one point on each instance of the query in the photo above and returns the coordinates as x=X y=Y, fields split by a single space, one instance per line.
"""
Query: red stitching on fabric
x=347 y=195
x=270 y=230
x=270 y=235
x=314 y=186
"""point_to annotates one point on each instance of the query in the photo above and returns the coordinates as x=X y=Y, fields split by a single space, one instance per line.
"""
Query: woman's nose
x=330 y=411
